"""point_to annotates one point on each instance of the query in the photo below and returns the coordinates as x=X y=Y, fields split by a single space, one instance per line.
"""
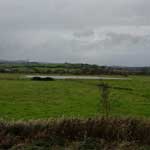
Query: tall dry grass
x=110 y=129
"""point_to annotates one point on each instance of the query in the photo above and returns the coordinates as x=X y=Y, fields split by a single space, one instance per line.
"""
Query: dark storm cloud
x=92 y=31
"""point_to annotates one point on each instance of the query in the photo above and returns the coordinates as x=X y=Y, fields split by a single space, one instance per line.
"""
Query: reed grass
x=58 y=131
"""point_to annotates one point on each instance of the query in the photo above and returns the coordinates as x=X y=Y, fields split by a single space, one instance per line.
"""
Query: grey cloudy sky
x=104 y=32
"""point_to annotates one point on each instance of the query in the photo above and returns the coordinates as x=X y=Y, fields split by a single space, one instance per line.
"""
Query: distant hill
x=23 y=66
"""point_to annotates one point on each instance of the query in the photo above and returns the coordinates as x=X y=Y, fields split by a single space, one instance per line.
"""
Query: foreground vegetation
x=25 y=99
x=76 y=134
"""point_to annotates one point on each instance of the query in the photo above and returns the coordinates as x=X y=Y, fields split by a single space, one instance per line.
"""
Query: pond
x=78 y=77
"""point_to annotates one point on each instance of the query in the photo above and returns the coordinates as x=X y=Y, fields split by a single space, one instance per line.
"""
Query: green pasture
x=26 y=99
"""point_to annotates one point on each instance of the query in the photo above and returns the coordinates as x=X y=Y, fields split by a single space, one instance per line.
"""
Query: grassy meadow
x=25 y=99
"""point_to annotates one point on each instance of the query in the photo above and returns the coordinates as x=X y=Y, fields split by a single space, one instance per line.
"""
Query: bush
x=42 y=79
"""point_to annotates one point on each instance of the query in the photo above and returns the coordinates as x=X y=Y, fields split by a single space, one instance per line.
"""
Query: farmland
x=24 y=99
x=61 y=114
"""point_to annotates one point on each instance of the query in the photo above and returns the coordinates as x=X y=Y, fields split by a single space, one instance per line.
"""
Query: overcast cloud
x=103 y=32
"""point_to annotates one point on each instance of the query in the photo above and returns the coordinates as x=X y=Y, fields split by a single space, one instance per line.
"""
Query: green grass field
x=26 y=99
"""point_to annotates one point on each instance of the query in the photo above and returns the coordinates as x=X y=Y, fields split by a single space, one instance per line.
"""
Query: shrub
x=42 y=79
